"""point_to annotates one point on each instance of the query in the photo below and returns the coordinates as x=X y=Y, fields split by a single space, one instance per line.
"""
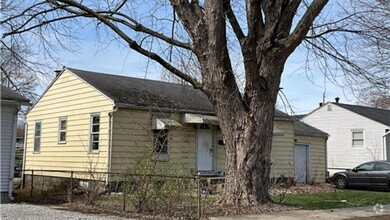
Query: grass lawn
x=19 y=156
x=342 y=199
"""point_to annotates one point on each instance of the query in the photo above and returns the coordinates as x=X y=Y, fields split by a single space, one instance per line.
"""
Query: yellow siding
x=72 y=98
x=282 y=151
x=317 y=146
x=220 y=153
x=132 y=138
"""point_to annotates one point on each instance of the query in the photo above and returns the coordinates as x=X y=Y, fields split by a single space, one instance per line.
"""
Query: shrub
x=152 y=186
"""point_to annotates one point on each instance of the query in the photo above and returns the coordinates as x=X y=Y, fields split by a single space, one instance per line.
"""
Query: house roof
x=130 y=92
x=376 y=114
x=304 y=129
x=10 y=95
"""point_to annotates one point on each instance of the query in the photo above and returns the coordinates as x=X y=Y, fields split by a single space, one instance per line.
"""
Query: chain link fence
x=177 y=196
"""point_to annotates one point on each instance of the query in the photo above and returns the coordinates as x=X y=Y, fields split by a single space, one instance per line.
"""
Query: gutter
x=109 y=142
x=171 y=110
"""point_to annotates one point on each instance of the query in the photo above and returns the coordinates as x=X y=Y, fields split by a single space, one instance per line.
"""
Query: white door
x=301 y=161
x=205 y=151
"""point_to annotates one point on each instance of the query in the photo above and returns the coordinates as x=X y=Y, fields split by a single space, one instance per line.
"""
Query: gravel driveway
x=24 y=211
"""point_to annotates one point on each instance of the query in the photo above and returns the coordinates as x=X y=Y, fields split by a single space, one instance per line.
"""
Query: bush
x=152 y=186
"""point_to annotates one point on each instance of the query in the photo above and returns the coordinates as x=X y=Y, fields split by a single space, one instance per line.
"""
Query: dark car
x=370 y=174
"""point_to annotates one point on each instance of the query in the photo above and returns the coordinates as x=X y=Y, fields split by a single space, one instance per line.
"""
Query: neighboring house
x=357 y=134
x=88 y=121
x=20 y=139
x=10 y=105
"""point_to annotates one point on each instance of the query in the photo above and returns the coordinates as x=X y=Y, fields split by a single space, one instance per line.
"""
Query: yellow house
x=87 y=121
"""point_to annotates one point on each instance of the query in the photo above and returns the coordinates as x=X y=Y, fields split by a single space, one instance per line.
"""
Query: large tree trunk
x=246 y=119
x=247 y=125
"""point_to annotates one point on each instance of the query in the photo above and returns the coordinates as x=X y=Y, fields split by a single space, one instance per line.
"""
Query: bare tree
x=374 y=98
x=212 y=33
x=14 y=73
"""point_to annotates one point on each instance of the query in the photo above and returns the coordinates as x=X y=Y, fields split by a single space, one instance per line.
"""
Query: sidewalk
x=344 y=213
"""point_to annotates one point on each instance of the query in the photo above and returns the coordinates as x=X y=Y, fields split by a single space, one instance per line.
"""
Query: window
x=160 y=139
x=62 y=124
x=357 y=139
x=94 y=133
x=37 y=137
x=382 y=167
x=365 y=167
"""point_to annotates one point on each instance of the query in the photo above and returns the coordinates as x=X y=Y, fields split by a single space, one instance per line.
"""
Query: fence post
x=22 y=180
x=71 y=187
x=124 y=201
x=199 y=197
x=32 y=183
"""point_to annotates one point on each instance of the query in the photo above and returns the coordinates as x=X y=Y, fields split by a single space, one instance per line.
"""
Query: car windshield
x=365 y=167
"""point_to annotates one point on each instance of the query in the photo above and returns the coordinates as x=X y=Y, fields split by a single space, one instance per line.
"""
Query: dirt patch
x=245 y=210
x=113 y=205
x=303 y=189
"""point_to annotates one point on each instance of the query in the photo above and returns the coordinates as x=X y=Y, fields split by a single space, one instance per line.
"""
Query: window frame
x=161 y=133
x=37 y=150
x=162 y=156
x=60 y=119
x=91 y=133
x=353 y=139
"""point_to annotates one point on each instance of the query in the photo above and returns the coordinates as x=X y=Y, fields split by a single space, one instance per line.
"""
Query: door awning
x=199 y=119
x=164 y=123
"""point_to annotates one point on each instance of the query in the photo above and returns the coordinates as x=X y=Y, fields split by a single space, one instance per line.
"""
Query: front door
x=205 y=148
x=301 y=163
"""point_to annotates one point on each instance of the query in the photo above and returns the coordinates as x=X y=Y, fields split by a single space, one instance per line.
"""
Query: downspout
x=13 y=149
x=385 y=146
x=109 y=143
x=327 y=175
x=24 y=151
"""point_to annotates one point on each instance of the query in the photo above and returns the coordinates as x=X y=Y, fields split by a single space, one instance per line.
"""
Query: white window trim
x=40 y=137
x=64 y=118
x=91 y=133
x=351 y=138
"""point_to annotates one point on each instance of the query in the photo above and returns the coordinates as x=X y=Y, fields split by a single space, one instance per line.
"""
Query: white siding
x=7 y=129
x=338 y=123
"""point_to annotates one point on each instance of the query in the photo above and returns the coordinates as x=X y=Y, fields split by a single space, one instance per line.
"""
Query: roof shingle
x=376 y=114
x=144 y=93
x=10 y=95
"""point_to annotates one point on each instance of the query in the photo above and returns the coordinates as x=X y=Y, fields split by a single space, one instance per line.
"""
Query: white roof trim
x=199 y=119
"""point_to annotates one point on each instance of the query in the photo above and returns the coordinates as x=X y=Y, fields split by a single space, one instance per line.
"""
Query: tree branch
x=134 y=45
x=233 y=22
x=304 y=25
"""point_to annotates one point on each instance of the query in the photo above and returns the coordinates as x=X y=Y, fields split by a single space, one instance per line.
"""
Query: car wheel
x=341 y=182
